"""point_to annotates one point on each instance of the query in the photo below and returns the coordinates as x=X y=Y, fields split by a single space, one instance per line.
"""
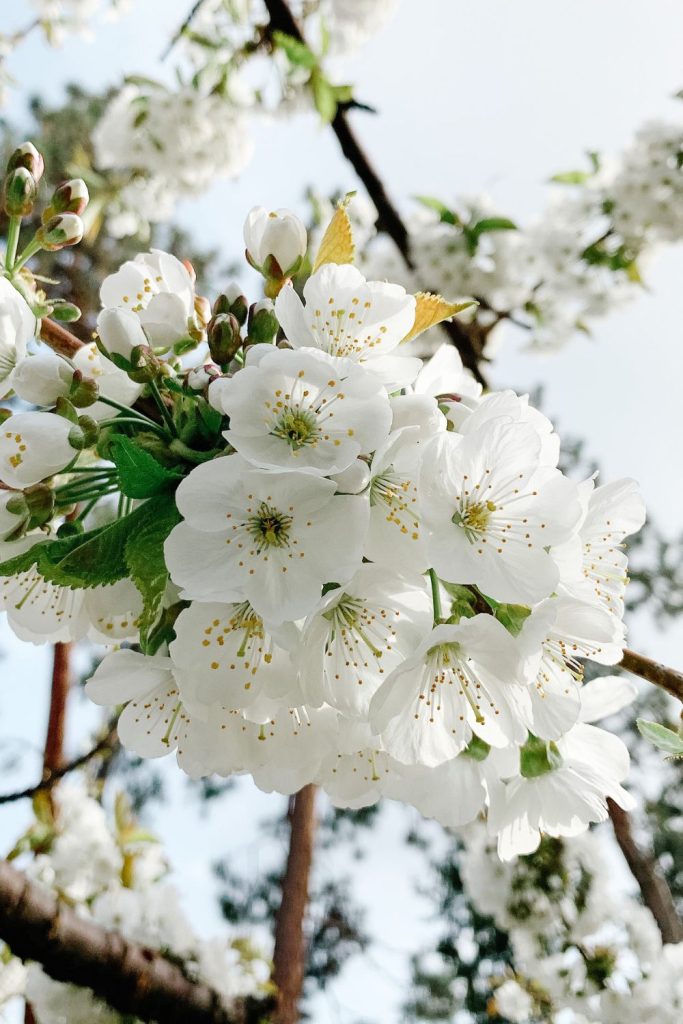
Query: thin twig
x=389 y=219
x=289 y=957
x=105 y=745
x=180 y=32
x=654 y=672
x=652 y=884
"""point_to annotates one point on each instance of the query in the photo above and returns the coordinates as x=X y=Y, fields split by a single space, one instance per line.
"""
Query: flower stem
x=31 y=249
x=161 y=406
x=436 y=597
x=13 y=229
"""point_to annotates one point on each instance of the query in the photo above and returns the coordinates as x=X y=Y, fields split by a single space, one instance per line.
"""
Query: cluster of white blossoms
x=117 y=877
x=320 y=559
x=160 y=144
x=585 y=952
x=579 y=260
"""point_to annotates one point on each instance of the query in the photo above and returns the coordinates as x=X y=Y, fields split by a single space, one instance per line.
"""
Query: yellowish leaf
x=431 y=310
x=337 y=244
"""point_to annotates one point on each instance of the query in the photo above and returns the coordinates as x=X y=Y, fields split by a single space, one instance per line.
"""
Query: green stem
x=31 y=249
x=436 y=597
x=161 y=406
x=128 y=411
x=134 y=421
x=179 y=447
x=13 y=228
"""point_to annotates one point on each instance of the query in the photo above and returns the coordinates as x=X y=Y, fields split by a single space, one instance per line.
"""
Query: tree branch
x=180 y=31
x=289 y=957
x=59 y=339
x=389 y=220
x=53 y=756
x=131 y=978
x=653 y=886
x=666 y=678
x=104 y=746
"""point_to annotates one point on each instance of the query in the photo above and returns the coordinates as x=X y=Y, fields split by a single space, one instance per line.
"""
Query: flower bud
x=19 y=192
x=14 y=513
x=40 y=502
x=263 y=325
x=233 y=301
x=200 y=377
x=120 y=331
x=83 y=391
x=70 y=197
x=146 y=367
x=84 y=434
x=276 y=242
x=66 y=312
x=27 y=156
x=224 y=337
x=62 y=230
x=202 y=309
x=42 y=379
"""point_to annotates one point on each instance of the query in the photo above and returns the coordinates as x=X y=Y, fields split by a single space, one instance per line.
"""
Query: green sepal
x=663 y=738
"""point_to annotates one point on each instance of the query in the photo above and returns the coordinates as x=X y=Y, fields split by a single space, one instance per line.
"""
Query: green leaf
x=96 y=558
x=323 y=96
x=446 y=216
x=571 y=177
x=144 y=556
x=512 y=616
x=665 y=739
x=297 y=53
x=493 y=224
x=140 y=475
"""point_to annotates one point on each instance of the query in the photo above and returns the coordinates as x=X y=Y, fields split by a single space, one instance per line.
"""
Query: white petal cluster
x=117 y=878
x=586 y=949
x=378 y=579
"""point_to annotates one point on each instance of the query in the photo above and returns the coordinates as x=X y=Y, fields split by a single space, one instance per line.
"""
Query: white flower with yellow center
x=34 y=446
x=562 y=632
x=593 y=565
x=302 y=410
x=224 y=655
x=114 y=612
x=159 y=289
x=273 y=539
x=113 y=383
x=347 y=316
x=490 y=511
x=462 y=679
x=360 y=633
x=17 y=327
x=37 y=611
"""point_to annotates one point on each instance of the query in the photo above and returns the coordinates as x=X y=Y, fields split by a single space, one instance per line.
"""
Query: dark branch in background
x=182 y=29
x=389 y=219
x=131 y=978
x=53 y=756
x=652 y=671
x=289 y=956
x=105 y=746
x=653 y=886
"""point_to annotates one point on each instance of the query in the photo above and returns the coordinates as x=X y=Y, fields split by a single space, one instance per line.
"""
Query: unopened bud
x=27 y=156
x=223 y=334
x=70 y=528
x=120 y=331
x=40 y=502
x=83 y=391
x=263 y=325
x=70 y=197
x=200 y=377
x=19 y=192
x=276 y=242
x=202 y=308
x=84 y=434
x=145 y=366
x=60 y=231
x=233 y=301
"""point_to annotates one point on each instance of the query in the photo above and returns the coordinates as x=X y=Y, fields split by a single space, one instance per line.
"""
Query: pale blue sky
x=493 y=96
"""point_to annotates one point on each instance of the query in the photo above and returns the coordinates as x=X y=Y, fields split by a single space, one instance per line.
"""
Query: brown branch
x=131 y=978
x=653 y=886
x=389 y=220
x=105 y=746
x=53 y=756
x=289 y=957
x=666 y=678
x=59 y=339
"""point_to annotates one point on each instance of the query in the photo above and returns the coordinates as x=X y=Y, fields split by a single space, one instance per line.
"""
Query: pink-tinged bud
x=70 y=197
x=19 y=192
x=59 y=232
x=27 y=156
x=200 y=377
x=191 y=271
x=202 y=308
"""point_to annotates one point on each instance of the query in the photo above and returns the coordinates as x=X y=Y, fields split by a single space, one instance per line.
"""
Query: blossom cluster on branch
x=320 y=559
x=116 y=876
x=584 y=951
